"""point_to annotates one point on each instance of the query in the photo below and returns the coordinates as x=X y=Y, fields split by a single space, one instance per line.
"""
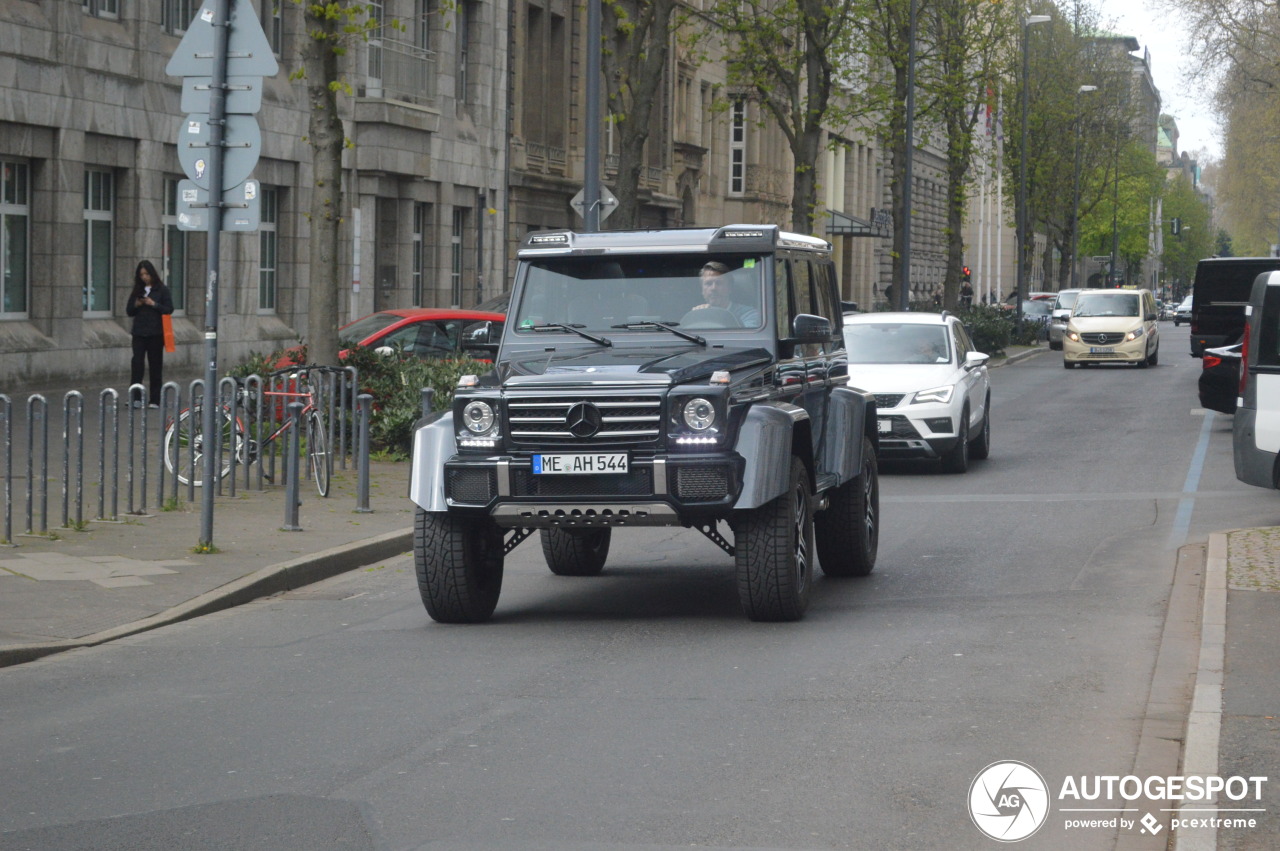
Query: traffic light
x=967 y=274
x=1176 y=226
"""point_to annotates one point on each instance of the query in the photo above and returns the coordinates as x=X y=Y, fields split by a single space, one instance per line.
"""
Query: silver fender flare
x=765 y=440
x=433 y=444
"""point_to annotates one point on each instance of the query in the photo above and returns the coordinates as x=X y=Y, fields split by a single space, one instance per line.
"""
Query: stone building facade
x=466 y=128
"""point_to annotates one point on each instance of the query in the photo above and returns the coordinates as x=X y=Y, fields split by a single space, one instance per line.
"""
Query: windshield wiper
x=653 y=323
x=576 y=329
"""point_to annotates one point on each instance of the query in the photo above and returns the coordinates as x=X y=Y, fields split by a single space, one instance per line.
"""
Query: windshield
x=1037 y=308
x=366 y=327
x=1107 y=304
x=1065 y=301
x=885 y=342
x=625 y=295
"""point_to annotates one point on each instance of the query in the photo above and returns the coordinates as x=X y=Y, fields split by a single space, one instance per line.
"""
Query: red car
x=425 y=332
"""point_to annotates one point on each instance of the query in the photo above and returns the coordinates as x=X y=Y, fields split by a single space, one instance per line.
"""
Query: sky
x=1162 y=32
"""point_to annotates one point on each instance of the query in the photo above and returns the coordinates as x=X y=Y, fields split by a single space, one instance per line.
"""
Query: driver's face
x=715 y=289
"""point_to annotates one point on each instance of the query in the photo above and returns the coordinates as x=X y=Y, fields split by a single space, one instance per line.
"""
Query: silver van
x=1255 y=438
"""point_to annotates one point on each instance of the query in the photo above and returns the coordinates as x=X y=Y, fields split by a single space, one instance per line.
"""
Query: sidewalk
x=81 y=588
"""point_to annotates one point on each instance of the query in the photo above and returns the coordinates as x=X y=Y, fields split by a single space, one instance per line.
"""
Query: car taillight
x=1244 y=359
x=1210 y=361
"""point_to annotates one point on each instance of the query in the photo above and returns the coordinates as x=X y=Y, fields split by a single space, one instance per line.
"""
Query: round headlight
x=478 y=416
x=699 y=414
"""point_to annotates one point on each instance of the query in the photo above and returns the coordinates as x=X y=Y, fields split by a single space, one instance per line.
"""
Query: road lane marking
x=1182 y=518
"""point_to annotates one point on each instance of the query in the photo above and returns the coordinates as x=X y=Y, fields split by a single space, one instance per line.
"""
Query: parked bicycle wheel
x=184 y=444
x=318 y=452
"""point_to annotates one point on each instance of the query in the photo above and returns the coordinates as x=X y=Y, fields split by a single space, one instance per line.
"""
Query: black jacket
x=146 y=319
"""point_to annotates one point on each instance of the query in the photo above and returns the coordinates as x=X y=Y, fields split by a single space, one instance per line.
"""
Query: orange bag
x=170 y=344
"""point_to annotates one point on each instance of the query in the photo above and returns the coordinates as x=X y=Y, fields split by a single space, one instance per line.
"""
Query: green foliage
x=988 y=326
x=396 y=383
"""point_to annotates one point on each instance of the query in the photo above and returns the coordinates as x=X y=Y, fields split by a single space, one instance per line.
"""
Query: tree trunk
x=325 y=134
x=634 y=71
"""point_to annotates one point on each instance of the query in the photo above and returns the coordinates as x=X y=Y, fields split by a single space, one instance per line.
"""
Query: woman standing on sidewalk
x=148 y=301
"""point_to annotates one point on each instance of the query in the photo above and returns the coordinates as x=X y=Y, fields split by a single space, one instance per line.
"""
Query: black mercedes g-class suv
x=681 y=377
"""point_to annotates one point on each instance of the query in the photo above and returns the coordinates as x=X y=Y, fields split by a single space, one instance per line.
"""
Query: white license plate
x=1101 y=350
x=579 y=463
x=885 y=426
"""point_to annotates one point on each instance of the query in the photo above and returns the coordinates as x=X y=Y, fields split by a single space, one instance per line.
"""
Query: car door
x=974 y=381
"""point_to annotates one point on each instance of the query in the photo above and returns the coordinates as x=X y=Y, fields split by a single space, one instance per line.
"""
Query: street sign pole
x=217 y=118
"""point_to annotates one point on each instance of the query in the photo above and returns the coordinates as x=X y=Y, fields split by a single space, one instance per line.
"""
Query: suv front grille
x=1105 y=338
x=888 y=400
x=902 y=428
x=590 y=420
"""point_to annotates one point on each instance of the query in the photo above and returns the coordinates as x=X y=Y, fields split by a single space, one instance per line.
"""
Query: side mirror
x=807 y=328
x=973 y=360
x=1150 y=317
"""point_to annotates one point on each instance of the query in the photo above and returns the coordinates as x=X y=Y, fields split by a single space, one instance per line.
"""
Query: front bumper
x=1131 y=351
x=917 y=431
x=656 y=490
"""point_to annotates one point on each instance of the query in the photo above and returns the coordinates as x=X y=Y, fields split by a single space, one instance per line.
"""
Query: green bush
x=988 y=326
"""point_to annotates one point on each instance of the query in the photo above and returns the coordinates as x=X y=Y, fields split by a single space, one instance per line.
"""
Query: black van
x=1221 y=292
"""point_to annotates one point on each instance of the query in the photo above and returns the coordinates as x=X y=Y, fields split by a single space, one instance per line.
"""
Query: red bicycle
x=184 y=438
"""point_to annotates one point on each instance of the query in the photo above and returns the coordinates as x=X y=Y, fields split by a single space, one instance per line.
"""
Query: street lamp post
x=1020 y=214
x=1075 y=195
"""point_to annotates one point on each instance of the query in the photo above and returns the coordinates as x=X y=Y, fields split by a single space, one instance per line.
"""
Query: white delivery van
x=1256 y=432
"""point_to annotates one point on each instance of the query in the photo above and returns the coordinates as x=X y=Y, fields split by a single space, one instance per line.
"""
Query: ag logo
x=1008 y=801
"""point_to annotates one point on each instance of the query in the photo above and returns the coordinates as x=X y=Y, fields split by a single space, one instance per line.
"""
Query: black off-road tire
x=576 y=552
x=957 y=460
x=459 y=566
x=980 y=446
x=848 y=532
x=774 y=553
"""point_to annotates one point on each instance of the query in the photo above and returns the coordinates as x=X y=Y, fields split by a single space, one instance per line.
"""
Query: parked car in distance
x=1038 y=312
x=1255 y=433
x=1112 y=326
x=1061 y=312
x=933 y=394
x=423 y=332
x=1182 y=313
x=1220 y=378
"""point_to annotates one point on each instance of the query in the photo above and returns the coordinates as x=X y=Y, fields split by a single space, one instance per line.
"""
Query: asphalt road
x=1017 y=612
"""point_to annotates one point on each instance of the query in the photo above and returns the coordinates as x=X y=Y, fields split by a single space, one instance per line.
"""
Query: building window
x=103 y=8
x=466 y=15
x=421 y=258
x=178 y=15
x=273 y=25
x=268 y=251
x=456 y=254
x=99 y=240
x=174 y=270
x=738 y=146
x=374 y=44
x=422 y=24
x=15 y=225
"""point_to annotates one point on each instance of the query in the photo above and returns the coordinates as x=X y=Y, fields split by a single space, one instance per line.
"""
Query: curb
x=1204 y=723
x=274 y=579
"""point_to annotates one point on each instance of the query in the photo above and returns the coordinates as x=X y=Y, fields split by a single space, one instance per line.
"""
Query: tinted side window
x=782 y=297
x=1268 y=343
x=824 y=290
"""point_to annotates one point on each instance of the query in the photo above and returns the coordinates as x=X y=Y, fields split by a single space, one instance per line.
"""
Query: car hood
x=1094 y=324
x=901 y=378
x=644 y=365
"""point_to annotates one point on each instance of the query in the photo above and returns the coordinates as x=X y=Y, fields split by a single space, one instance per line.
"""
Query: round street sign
x=242 y=142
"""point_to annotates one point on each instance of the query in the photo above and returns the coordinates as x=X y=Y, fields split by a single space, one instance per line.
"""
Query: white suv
x=933 y=394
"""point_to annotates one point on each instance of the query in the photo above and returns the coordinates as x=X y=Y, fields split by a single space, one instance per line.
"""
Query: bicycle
x=186 y=433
